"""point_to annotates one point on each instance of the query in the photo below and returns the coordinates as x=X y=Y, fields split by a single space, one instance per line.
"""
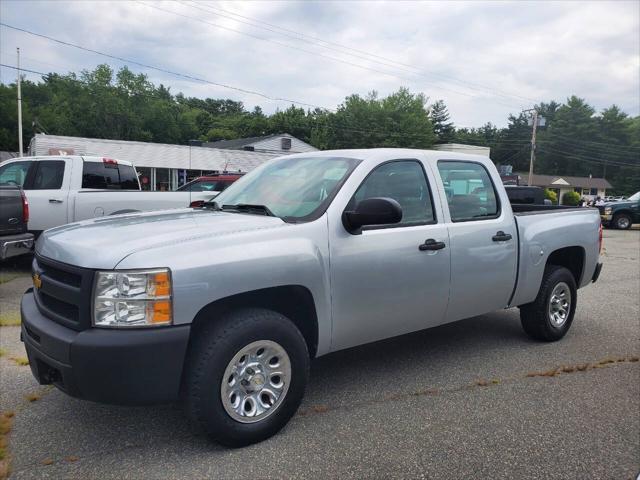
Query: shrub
x=551 y=195
x=571 y=198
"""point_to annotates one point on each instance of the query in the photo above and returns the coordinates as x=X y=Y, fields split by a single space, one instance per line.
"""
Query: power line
x=588 y=159
x=341 y=49
x=161 y=69
x=335 y=59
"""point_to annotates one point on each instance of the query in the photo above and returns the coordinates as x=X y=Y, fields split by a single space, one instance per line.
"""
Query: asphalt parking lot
x=474 y=399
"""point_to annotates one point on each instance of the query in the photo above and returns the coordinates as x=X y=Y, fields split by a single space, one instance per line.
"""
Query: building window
x=144 y=174
x=163 y=179
x=285 y=143
x=594 y=191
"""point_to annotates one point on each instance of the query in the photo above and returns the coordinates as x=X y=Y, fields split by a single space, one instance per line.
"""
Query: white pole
x=533 y=147
x=19 y=109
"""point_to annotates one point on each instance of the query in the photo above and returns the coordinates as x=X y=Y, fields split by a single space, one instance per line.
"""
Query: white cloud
x=485 y=59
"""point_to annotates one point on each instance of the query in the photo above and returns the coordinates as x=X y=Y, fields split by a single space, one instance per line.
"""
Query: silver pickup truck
x=224 y=306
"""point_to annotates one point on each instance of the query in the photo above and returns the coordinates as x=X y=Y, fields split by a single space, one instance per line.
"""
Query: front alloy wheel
x=245 y=376
x=256 y=381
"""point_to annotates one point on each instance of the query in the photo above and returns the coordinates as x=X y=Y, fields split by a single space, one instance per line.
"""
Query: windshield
x=635 y=197
x=294 y=189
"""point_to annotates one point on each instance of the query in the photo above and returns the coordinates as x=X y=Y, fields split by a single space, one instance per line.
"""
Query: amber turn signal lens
x=160 y=312
x=162 y=284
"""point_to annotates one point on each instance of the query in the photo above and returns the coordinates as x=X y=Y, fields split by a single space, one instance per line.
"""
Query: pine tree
x=442 y=127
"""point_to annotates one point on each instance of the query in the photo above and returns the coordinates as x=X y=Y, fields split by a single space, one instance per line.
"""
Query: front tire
x=246 y=376
x=549 y=317
x=622 y=221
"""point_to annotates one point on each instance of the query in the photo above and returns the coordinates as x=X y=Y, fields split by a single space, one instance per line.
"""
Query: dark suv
x=621 y=214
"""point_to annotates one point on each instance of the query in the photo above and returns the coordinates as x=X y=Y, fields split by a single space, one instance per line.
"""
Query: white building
x=162 y=166
x=462 y=148
x=282 y=143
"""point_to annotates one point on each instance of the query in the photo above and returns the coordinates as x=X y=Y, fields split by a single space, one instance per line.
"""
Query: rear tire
x=622 y=221
x=549 y=317
x=223 y=351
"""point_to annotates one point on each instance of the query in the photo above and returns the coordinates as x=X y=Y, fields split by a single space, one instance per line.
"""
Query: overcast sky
x=484 y=59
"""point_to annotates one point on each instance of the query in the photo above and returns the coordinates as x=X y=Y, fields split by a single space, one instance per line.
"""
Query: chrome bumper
x=13 y=245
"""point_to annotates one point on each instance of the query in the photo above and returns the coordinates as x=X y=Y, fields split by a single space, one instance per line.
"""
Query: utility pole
x=19 y=108
x=533 y=146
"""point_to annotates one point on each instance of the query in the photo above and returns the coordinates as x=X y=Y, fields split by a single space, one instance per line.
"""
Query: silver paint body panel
x=365 y=287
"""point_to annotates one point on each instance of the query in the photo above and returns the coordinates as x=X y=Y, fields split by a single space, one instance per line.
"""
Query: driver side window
x=405 y=182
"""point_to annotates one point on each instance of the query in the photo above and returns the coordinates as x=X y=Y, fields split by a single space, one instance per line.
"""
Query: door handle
x=431 y=244
x=54 y=200
x=501 y=237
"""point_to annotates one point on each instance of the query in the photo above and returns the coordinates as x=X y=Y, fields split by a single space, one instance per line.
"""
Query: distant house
x=4 y=155
x=280 y=143
x=587 y=187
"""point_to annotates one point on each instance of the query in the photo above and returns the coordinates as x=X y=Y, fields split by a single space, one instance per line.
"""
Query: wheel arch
x=572 y=258
x=295 y=302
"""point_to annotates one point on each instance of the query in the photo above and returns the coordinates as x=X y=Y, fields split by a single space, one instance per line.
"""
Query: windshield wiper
x=212 y=205
x=250 y=208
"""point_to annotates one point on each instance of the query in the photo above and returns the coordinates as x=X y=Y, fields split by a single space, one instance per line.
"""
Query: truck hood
x=104 y=242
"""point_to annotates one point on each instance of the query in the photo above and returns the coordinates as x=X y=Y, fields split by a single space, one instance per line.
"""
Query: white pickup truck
x=65 y=189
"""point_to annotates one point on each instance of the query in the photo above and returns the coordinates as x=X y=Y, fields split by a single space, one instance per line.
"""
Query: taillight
x=600 y=239
x=25 y=207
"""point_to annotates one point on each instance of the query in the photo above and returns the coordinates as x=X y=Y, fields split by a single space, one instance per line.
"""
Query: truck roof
x=375 y=154
x=85 y=158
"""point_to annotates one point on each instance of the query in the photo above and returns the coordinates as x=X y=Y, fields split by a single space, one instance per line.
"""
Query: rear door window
x=109 y=176
x=470 y=191
x=48 y=176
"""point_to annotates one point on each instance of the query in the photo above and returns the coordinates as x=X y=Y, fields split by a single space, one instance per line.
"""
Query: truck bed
x=520 y=209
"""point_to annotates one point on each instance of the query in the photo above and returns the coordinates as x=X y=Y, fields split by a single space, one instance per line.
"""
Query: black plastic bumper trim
x=125 y=367
x=596 y=273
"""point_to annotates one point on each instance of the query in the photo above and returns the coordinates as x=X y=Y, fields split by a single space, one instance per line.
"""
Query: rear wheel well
x=571 y=258
x=293 y=301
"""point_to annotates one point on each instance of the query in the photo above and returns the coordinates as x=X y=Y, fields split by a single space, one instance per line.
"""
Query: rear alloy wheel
x=622 y=221
x=549 y=317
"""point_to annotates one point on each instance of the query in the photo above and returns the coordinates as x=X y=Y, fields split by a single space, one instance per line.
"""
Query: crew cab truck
x=622 y=214
x=65 y=189
x=225 y=306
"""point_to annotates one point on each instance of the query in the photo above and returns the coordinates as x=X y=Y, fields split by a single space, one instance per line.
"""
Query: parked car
x=65 y=189
x=226 y=305
x=526 y=195
x=621 y=214
x=14 y=215
x=211 y=184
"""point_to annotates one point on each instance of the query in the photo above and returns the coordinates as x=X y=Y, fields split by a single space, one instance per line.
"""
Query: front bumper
x=125 y=367
x=13 y=245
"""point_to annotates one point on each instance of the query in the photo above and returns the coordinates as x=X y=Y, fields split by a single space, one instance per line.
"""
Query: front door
x=483 y=241
x=382 y=283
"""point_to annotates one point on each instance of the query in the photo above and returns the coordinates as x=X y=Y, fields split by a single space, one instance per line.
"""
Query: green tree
x=571 y=198
x=440 y=119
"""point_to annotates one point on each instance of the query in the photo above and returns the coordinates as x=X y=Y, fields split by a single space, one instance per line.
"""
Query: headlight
x=133 y=298
x=607 y=210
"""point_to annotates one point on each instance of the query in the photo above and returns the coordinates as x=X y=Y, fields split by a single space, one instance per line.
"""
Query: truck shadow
x=340 y=379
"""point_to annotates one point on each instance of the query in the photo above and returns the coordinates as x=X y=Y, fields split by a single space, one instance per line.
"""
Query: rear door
x=47 y=190
x=483 y=239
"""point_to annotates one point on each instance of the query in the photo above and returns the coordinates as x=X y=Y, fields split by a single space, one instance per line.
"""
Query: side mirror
x=372 y=211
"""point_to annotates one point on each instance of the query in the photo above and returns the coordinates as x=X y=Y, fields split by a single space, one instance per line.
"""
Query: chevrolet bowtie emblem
x=37 y=281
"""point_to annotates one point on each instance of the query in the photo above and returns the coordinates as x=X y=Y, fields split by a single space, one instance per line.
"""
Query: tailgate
x=11 y=221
